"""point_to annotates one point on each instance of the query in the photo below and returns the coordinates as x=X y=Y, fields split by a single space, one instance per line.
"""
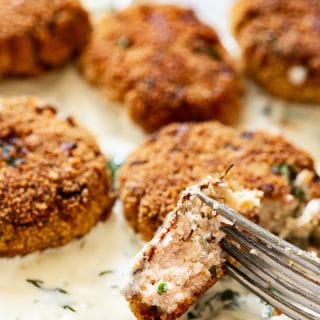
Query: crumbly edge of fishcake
x=184 y=273
x=306 y=219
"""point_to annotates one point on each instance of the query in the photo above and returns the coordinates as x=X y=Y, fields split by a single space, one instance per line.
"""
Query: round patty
x=37 y=35
x=164 y=64
x=54 y=185
x=179 y=155
x=280 y=45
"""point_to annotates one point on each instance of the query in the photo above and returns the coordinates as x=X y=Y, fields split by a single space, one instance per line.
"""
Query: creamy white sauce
x=111 y=245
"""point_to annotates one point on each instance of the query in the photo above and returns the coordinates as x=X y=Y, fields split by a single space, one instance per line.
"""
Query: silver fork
x=283 y=275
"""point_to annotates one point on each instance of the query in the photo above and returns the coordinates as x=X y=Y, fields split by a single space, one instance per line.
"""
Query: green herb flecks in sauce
x=113 y=166
x=105 y=272
x=67 y=307
x=40 y=285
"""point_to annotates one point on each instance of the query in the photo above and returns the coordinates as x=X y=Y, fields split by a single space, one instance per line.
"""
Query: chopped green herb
x=37 y=283
x=113 y=166
x=162 y=287
x=61 y=290
x=297 y=192
x=14 y=161
x=228 y=295
x=67 y=307
x=213 y=271
x=123 y=42
x=40 y=284
x=10 y=155
x=284 y=169
x=104 y=272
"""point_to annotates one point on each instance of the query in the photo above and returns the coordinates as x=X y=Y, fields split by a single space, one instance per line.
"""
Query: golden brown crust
x=179 y=155
x=164 y=64
x=37 y=35
x=54 y=185
x=276 y=36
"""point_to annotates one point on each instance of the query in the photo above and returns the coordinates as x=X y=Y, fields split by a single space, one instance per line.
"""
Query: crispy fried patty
x=54 y=185
x=280 y=44
x=37 y=35
x=164 y=64
x=178 y=155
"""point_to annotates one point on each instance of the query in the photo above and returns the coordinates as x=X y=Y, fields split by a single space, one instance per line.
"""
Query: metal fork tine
x=305 y=259
x=274 y=261
x=280 y=273
x=256 y=286
x=297 y=294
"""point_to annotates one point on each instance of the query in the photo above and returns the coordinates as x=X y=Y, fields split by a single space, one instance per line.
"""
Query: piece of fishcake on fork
x=184 y=259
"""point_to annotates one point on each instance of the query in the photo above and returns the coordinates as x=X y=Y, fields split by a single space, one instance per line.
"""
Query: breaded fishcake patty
x=178 y=155
x=164 y=64
x=184 y=259
x=54 y=185
x=280 y=45
x=37 y=35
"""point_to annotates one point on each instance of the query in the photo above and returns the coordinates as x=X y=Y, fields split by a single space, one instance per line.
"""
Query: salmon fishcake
x=184 y=259
x=152 y=178
x=279 y=42
x=37 y=35
x=164 y=64
x=54 y=183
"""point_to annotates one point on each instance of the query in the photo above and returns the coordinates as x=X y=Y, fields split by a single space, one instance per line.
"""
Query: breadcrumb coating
x=279 y=42
x=152 y=178
x=164 y=64
x=37 y=35
x=54 y=184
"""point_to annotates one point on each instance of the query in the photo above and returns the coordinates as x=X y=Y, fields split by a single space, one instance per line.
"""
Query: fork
x=281 y=274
